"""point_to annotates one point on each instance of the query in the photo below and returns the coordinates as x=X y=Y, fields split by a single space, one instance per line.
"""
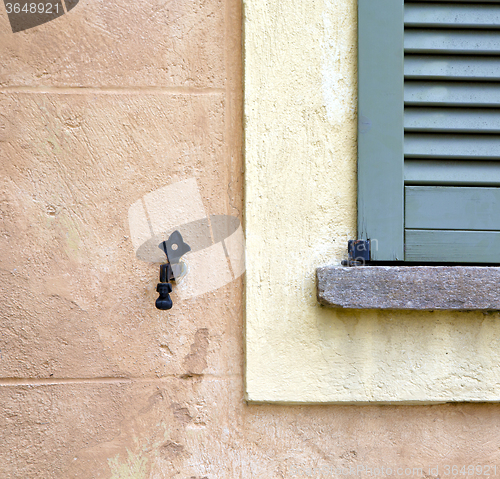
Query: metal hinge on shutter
x=359 y=253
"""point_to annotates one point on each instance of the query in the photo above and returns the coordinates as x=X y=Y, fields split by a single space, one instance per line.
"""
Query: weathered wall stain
x=196 y=361
x=171 y=450
x=153 y=400
x=181 y=413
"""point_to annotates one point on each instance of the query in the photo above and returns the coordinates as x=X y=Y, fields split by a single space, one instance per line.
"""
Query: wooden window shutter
x=429 y=130
x=380 y=127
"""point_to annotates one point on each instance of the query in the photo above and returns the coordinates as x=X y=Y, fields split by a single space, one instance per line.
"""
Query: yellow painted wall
x=300 y=136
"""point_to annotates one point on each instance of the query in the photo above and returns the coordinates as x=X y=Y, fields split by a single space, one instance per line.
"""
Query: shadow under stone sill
x=420 y=288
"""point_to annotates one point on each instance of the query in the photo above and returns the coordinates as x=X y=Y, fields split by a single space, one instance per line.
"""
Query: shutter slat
x=444 y=146
x=439 y=67
x=459 y=120
x=452 y=15
x=452 y=208
x=446 y=172
x=439 y=246
x=471 y=94
x=452 y=42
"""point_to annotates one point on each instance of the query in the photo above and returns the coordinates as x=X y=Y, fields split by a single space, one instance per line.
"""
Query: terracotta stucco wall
x=98 y=108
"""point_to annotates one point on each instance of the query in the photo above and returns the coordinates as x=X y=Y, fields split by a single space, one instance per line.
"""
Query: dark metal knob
x=174 y=248
x=164 y=301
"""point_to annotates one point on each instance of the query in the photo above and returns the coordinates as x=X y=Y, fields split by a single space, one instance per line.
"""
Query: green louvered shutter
x=380 y=118
x=429 y=130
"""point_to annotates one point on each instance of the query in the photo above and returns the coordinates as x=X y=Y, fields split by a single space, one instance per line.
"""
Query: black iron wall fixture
x=174 y=248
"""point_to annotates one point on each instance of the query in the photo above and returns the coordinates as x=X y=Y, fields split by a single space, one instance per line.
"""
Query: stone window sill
x=462 y=288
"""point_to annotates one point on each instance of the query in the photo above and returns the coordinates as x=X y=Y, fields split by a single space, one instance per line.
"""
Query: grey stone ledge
x=463 y=288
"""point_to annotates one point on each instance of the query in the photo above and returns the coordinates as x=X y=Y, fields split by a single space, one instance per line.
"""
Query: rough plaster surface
x=94 y=382
x=300 y=204
x=103 y=44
